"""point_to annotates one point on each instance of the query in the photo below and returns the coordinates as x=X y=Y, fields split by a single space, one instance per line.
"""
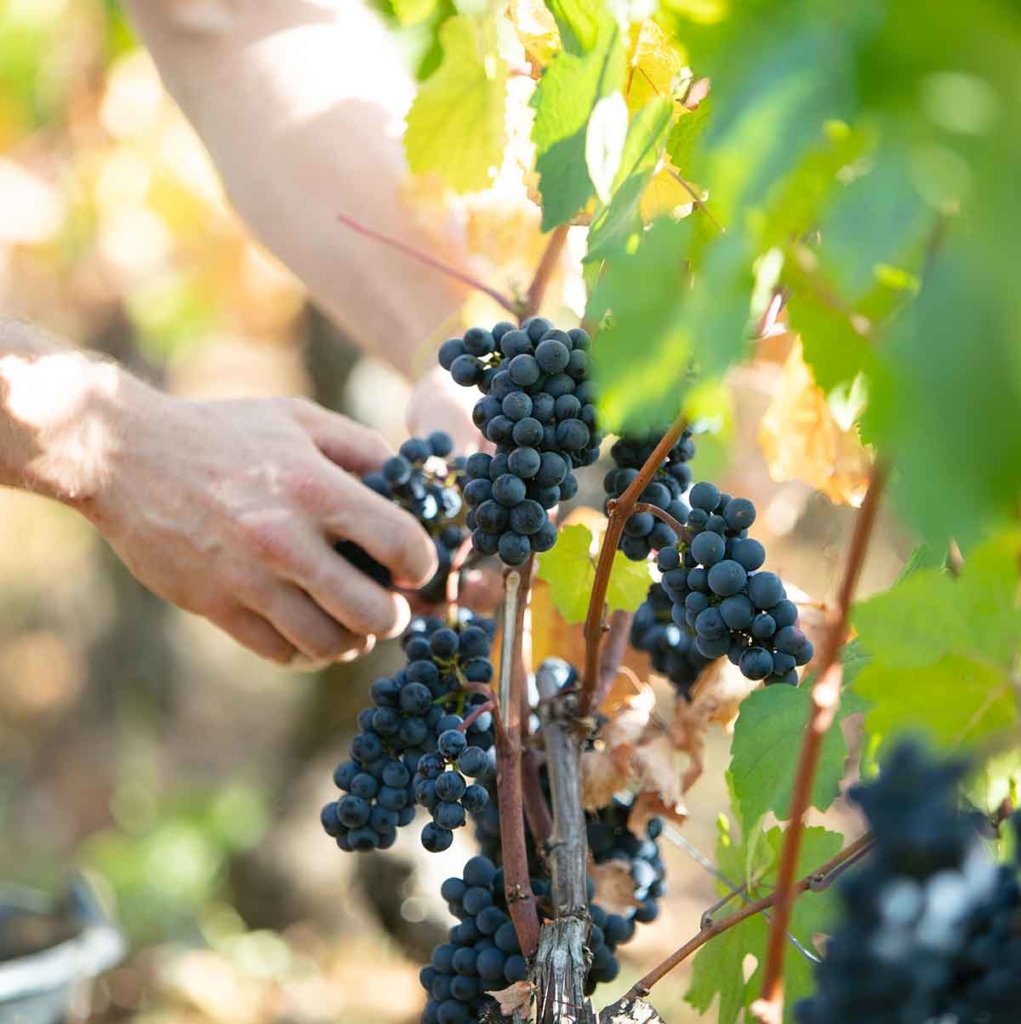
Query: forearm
x=300 y=106
x=59 y=420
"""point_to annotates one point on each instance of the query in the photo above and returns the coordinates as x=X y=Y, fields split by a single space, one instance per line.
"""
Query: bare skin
x=228 y=509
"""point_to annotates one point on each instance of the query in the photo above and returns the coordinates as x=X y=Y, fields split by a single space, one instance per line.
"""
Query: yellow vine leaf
x=801 y=439
x=536 y=29
x=654 y=65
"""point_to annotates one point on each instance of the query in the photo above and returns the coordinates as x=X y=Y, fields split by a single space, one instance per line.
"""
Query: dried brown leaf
x=601 y=777
x=515 y=1000
x=615 y=888
x=656 y=770
x=650 y=805
x=801 y=439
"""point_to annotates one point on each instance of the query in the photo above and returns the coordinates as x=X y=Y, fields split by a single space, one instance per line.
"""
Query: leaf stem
x=618 y=514
x=547 y=264
x=825 y=703
x=430 y=261
x=643 y=986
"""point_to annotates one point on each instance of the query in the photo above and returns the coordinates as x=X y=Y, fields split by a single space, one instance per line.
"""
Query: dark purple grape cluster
x=441 y=778
x=931 y=924
x=717 y=592
x=481 y=954
x=413 y=730
x=538 y=408
x=611 y=839
x=643 y=533
x=423 y=479
x=672 y=647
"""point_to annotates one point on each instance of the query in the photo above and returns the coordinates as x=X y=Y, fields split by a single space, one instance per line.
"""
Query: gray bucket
x=50 y=950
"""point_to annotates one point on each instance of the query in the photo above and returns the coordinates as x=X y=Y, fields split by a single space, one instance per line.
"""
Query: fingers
x=255 y=633
x=390 y=535
x=354 y=599
x=307 y=627
x=341 y=440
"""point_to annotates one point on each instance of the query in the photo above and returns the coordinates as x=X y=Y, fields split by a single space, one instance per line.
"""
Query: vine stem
x=476 y=713
x=509 y=794
x=663 y=516
x=430 y=261
x=815 y=881
x=617 y=515
x=768 y=1009
x=612 y=654
x=547 y=264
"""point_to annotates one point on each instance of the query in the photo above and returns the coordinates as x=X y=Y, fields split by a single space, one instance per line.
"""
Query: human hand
x=229 y=509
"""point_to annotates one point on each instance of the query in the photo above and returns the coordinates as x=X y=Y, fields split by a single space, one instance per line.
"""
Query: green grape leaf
x=764 y=751
x=832 y=348
x=570 y=570
x=579 y=23
x=718 y=968
x=663 y=327
x=932 y=613
x=956 y=701
x=942 y=649
x=567 y=94
x=411 y=12
x=619 y=219
x=960 y=482
x=686 y=133
x=456 y=124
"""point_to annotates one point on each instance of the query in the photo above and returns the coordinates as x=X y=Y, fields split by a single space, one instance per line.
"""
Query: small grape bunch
x=643 y=533
x=671 y=646
x=441 y=786
x=423 y=479
x=411 y=710
x=716 y=591
x=538 y=408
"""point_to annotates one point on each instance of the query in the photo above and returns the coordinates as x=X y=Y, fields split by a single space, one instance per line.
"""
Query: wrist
x=65 y=415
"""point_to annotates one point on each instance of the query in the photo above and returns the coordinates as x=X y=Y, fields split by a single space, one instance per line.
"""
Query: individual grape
x=509 y=490
x=552 y=356
x=756 y=663
x=524 y=462
x=727 y=578
x=435 y=838
x=708 y=548
x=527 y=517
x=765 y=589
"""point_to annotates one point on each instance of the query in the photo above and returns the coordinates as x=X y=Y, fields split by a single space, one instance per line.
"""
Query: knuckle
x=305 y=487
x=268 y=541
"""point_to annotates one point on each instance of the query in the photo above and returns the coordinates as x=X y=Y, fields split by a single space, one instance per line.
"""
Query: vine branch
x=825 y=702
x=517 y=883
x=815 y=880
x=547 y=264
x=612 y=654
x=617 y=515
x=430 y=261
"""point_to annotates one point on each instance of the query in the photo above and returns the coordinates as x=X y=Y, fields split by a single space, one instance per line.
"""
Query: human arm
x=301 y=106
x=228 y=509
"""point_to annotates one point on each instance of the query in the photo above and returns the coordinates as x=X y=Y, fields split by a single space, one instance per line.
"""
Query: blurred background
x=181 y=774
